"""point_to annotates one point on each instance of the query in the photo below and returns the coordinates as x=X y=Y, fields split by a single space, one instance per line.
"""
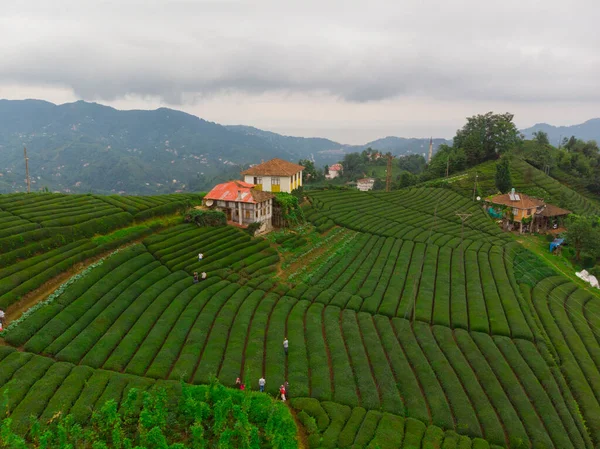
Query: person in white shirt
x=261 y=384
x=1 y=318
x=200 y=256
x=285 y=345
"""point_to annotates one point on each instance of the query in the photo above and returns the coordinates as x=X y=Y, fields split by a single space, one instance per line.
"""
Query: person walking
x=285 y=345
x=282 y=393
x=203 y=275
x=242 y=386
x=238 y=382
x=196 y=277
x=261 y=384
x=200 y=256
x=1 y=319
x=286 y=387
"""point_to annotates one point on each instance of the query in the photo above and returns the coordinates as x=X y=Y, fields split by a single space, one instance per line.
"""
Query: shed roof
x=274 y=167
x=553 y=211
x=238 y=191
x=524 y=201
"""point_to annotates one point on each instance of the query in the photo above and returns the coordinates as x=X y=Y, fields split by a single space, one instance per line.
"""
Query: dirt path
x=39 y=294
x=308 y=258
x=301 y=435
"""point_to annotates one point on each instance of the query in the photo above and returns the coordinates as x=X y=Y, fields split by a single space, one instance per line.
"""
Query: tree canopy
x=503 y=178
x=487 y=136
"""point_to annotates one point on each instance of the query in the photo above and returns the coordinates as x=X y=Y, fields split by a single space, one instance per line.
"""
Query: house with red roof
x=334 y=171
x=242 y=204
x=275 y=175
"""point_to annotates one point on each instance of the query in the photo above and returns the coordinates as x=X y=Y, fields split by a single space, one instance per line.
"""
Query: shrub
x=204 y=217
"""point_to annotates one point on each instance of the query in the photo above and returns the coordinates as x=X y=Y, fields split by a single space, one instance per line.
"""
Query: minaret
x=430 y=150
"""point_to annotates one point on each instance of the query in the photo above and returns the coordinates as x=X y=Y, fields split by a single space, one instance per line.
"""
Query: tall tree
x=487 y=136
x=414 y=163
x=583 y=235
x=503 y=178
x=309 y=174
x=541 y=137
x=354 y=165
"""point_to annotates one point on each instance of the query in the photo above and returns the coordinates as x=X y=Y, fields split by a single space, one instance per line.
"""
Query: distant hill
x=87 y=147
x=589 y=130
x=401 y=145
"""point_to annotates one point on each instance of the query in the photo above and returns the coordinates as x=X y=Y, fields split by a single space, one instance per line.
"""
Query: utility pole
x=447 y=165
x=463 y=217
x=430 y=150
x=388 y=175
x=475 y=186
x=27 y=170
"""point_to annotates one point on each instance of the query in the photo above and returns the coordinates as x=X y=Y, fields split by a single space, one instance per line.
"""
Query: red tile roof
x=238 y=191
x=524 y=202
x=274 y=167
x=335 y=167
x=553 y=211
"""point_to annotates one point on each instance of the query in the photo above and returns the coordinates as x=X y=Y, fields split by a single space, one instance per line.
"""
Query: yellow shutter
x=275 y=188
x=258 y=186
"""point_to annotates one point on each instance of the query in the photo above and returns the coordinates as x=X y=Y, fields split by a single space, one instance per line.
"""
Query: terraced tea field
x=407 y=328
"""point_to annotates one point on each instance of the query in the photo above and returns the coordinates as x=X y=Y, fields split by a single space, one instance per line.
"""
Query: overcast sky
x=349 y=70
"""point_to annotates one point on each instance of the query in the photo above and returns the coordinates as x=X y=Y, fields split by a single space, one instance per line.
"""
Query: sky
x=352 y=71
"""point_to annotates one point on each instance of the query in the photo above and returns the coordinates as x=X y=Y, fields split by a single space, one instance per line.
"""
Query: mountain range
x=589 y=130
x=87 y=147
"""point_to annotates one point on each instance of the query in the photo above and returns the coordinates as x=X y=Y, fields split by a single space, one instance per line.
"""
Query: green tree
x=309 y=174
x=413 y=163
x=406 y=179
x=447 y=157
x=354 y=165
x=583 y=234
x=503 y=178
x=541 y=138
x=487 y=136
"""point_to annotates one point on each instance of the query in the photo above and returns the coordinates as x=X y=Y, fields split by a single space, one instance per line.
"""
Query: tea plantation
x=407 y=327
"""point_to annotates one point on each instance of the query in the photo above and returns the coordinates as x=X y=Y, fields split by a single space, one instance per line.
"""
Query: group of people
x=201 y=277
x=283 y=389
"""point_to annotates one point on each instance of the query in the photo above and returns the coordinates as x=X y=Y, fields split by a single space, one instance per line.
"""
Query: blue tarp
x=555 y=243
x=493 y=213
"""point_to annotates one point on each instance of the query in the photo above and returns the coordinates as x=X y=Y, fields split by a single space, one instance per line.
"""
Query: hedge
x=319 y=363
x=191 y=351
x=441 y=311
x=254 y=356
x=345 y=389
x=490 y=384
x=83 y=336
x=370 y=396
x=24 y=378
x=386 y=382
x=94 y=284
x=66 y=395
x=486 y=413
x=374 y=287
x=177 y=333
x=338 y=414
x=367 y=429
x=11 y=363
x=476 y=301
x=543 y=374
x=217 y=337
x=389 y=433
x=67 y=325
x=34 y=403
x=313 y=408
x=433 y=438
x=234 y=350
x=116 y=347
x=392 y=294
x=440 y=408
x=298 y=366
x=164 y=209
x=460 y=403
x=540 y=401
x=413 y=433
x=350 y=430
x=408 y=384
x=497 y=317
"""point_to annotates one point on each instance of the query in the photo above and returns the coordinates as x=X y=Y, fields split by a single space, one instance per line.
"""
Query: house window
x=275 y=181
x=259 y=179
x=529 y=212
x=515 y=211
x=256 y=214
x=248 y=214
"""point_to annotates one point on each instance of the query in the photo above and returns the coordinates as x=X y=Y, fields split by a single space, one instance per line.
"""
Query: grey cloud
x=465 y=49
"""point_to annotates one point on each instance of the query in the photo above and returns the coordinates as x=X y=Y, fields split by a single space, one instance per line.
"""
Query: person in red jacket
x=282 y=392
